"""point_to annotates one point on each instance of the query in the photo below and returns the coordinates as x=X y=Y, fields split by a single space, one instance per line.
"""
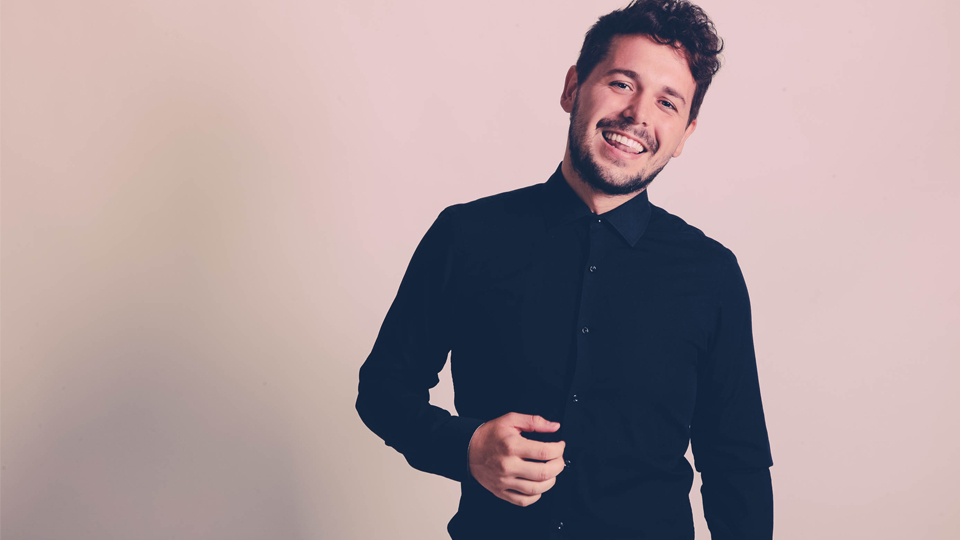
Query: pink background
x=207 y=208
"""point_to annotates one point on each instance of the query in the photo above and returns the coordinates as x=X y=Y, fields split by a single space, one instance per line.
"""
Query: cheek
x=673 y=144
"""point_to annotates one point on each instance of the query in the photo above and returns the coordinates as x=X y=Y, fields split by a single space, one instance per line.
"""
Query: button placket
x=581 y=376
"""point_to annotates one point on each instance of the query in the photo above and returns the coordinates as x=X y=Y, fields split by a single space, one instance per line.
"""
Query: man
x=592 y=335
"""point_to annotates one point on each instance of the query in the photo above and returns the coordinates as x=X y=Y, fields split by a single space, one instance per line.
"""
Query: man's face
x=629 y=117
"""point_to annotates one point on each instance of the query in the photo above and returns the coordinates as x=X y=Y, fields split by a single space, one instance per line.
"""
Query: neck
x=597 y=201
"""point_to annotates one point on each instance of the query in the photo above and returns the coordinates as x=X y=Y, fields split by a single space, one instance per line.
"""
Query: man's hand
x=499 y=458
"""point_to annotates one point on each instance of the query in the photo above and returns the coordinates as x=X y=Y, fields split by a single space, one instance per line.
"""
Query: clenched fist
x=508 y=464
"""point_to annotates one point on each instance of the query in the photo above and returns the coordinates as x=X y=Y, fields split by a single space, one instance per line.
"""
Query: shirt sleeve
x=728 y=432
x=412 y=347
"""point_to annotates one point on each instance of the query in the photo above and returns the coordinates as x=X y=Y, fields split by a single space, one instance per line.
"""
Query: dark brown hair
x=671 y=22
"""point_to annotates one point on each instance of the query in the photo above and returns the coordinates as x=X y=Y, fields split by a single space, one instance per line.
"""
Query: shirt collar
x=564 y=205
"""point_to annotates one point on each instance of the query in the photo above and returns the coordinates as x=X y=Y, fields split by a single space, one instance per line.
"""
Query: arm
x=728 y=431
x=412 y=347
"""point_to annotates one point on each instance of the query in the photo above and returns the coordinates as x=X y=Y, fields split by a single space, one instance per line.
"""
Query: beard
x=587 y=167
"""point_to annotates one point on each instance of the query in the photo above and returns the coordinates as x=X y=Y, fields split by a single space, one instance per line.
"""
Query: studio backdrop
x=207 y=207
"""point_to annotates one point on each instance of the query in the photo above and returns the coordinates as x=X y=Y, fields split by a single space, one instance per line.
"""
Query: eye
x=620 y=85
x=668 y=104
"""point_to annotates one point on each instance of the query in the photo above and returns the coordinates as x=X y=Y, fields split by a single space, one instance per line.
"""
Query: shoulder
x=520 y=201
x=499 y=227
x=690 y=243
x=509 y=211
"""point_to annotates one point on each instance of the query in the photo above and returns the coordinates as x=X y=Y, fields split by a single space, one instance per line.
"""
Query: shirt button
x=560 y=525
x=585 y=330
x=567 y=462
x=593 y=268
x=575 y=399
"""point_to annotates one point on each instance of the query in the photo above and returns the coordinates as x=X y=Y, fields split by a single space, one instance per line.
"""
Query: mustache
x=622 y=125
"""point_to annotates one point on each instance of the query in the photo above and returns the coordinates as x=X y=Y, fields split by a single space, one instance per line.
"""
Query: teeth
x=623 y=140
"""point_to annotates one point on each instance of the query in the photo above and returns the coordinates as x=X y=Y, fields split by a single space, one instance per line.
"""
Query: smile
x=623 y=143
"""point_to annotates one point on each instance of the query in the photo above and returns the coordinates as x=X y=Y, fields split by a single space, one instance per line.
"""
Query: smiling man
x=626 y=116
x=592 y=335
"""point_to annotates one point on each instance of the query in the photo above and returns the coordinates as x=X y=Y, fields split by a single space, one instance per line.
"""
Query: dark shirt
x=630 y=328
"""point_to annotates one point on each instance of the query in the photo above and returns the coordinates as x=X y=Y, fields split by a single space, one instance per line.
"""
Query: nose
x=636 y=110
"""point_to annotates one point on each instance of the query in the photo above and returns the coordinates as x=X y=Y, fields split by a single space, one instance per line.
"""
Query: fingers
x=524 y=485
x=528 y=488
x=518 y=498
x=540 y=451
x=530 y=422
x=532 y=471
x=509 y=465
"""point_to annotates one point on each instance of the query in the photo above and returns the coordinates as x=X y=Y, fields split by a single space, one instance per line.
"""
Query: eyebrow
x=633 y=75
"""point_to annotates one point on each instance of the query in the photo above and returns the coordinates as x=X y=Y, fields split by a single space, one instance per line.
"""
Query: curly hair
x=671 y=22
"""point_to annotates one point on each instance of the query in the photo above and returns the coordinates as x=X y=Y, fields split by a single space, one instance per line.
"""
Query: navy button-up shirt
x=630 y=328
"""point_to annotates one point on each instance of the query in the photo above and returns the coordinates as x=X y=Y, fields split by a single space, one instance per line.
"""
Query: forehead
x=652 y=61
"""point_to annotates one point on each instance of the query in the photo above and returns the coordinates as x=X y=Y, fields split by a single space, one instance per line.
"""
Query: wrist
x=469 y=445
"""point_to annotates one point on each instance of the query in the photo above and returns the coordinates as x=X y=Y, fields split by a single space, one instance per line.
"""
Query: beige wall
x=207 y=208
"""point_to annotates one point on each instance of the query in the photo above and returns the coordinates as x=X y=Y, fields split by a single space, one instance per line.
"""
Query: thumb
x=530 y=422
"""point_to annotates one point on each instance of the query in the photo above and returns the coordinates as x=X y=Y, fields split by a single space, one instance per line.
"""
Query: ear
x=688 y=132
x=569 y=94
